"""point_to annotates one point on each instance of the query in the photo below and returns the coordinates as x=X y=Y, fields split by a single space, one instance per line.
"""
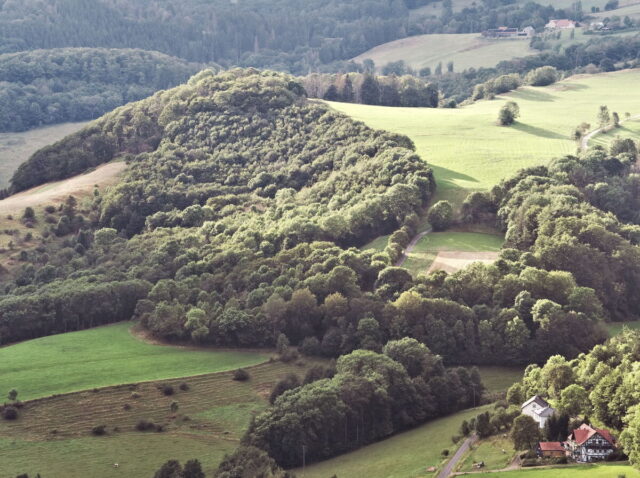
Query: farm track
x=584 y=142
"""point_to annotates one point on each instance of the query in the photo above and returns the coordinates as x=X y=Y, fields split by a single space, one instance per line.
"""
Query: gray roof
x=537 y=399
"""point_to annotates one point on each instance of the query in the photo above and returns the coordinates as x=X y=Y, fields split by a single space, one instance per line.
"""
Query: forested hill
x=286 y=35
x=77 y=84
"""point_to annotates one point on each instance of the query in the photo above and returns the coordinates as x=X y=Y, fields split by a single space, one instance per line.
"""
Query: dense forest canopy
x=76 y=84
x=287 y=35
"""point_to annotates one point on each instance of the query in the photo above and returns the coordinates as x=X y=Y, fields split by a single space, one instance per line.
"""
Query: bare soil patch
x=453 y=261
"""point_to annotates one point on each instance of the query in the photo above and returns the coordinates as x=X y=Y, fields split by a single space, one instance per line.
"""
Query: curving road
x=411 y=246
x=464 y=448
x=584 y=142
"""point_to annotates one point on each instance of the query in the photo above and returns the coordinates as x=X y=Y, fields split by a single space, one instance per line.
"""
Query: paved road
x=448 y=468
x=411 y=245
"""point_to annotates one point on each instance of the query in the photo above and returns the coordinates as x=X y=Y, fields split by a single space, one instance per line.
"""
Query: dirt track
x=453 y=261
x=51 y=193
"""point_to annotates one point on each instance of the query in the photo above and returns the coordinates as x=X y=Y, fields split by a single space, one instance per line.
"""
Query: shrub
x=9 y=413
x=50 y=209
x=289 y=355
x=135 y=395
x=99 y=430
x=184 y=386
x=126 y=407
x=167 y=389
x=440 y=215
x=241 y=375
x=509 y=113
x=174 y=407
x=145 y=425
x=542 y=76
x=444 y=452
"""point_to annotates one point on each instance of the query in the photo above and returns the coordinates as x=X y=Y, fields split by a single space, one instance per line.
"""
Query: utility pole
x=304 y=461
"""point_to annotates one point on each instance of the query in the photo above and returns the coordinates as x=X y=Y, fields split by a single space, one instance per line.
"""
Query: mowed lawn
x=469 y=151
x=104 y=356
x=428 y=247
x=580 y=471
x=405 y=455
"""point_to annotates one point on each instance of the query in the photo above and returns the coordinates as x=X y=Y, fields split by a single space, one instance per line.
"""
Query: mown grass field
x=587 y=471
x=490 y=451
x=53 y=436
x=469 y=151
x=466 y=50
x=16 y=148
x=428 y=247
x=405 y=455
x=105 y=356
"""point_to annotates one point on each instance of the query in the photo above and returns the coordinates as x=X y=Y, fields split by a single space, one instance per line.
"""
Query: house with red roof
x=550 y=449
x=587 y=444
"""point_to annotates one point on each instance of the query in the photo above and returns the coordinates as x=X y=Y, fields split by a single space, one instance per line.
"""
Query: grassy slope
x=211 y=418
x=590 y=471
x=15 y=148
x=428 y=247
x=104 y=356
x=490 y=452
x=499 y=379
x=468 y=151
x=404 y=455
x=629 y=129
x=467 y=50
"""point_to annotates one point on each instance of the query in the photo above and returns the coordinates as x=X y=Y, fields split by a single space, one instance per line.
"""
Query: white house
x=538 y=409
x=562 y=24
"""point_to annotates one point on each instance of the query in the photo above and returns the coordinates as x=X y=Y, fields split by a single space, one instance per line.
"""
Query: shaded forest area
x=77 y=84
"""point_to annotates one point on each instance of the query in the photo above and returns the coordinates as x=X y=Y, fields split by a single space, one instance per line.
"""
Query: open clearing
x=469 y=151
x=589 y=471
x=629 y=129
x=16 y=148
x=405 y=455
x=499 y=379
x=451 y=251
x=56 y=192
x=55 y=433
x=104 y=356
x=490 y=451
x=466 y=50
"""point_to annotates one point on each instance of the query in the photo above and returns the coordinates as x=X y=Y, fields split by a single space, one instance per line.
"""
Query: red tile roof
x=551 y=446
x=582 y=434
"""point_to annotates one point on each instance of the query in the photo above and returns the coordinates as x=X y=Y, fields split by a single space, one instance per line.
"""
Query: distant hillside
x=77 y=84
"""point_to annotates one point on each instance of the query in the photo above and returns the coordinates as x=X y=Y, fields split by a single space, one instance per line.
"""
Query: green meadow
x=628 y=129
x=616 y=328
x=580 y=471
x=405 y=455
x=469 y=151
x=104 y=356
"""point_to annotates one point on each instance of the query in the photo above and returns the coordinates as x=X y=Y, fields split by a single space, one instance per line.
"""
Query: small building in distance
x=507 y=32
x=538 y=409
x=563 y=24
x=586 y=444
x=550 y=449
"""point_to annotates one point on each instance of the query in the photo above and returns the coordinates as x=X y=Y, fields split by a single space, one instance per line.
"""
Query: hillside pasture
x=53 y=435
x=579 y=471
x=469 y=151
x=466 y=50
x=628 y=129
x=405 y=455
x=103 y=356
x=16 y=148
x=496 y=452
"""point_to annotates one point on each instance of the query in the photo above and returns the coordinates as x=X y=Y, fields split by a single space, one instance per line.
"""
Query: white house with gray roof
x=538 y=409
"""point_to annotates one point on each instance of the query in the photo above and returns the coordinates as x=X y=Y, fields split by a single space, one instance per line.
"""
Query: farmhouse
x=560 y=24
x=506 y=32
x=550 y=449
x=587 y=444
x=538 y=409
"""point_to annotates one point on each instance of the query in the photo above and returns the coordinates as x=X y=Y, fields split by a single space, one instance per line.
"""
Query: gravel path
x=448 y=468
